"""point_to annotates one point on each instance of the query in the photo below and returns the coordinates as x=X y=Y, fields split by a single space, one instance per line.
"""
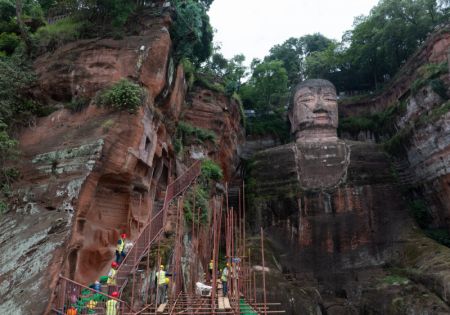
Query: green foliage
x=211 y=170
x=397 y=145
x=3 y=207
x=395 y=280
x=433 y=115
x=441 y=236
x=77 y=104
x=197 y=197
x=274 y=124
x=189 y=72
x=208 y=83
x=16 y=78
x=123 y=95
x=229 y=72
x=429 y=74
x=381 y=123
x=438 y=86
x=51 y=36
x=419 y=210
x=191 y=32
x=9 y=42
x=189 y=133
x=268 y=87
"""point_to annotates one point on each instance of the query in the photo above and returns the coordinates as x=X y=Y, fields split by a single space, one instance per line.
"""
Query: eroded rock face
x=82 y=68
x=216 y=112
x=333 y=211
x=86 y=177
x=434 y=50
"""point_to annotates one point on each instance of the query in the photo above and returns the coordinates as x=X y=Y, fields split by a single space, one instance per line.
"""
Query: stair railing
x=155 y=226
x=67 y=289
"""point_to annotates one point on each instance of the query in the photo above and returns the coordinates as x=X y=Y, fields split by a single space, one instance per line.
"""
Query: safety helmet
x=114 y=264
x=161 y=267
x=228 y=264
x=91 y=304
x=167 y=280
x=115 y=294
x=123 y=235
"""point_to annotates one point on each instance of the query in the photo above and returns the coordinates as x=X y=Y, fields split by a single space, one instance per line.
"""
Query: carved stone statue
x=314 y=111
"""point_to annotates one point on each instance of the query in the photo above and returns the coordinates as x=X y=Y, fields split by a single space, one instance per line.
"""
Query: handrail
x=94 y=291
x=156 y=225
x=70 y=292
x=146 y=237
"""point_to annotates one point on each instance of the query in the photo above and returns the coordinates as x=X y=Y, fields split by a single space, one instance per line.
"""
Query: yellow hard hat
x=167 y=280
x=162 y=266
x=91 y=304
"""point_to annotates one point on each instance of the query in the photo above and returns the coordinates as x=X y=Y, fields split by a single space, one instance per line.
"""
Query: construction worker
x=224 y=279
x=112 y=304
x=112 y=276
x=120 y=253
x=161 y=282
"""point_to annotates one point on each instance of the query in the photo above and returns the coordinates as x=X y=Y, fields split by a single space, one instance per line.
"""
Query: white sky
x=252 y=27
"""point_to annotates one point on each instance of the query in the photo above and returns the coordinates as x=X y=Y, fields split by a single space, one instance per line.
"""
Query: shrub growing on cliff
x=123 y=95
x=187 y=132
x=211 y=170
x=51 y=36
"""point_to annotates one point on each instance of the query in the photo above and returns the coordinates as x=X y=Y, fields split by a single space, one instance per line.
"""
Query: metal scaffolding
x=225 y=232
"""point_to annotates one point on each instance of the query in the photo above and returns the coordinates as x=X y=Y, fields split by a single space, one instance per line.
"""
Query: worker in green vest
x=112 y=304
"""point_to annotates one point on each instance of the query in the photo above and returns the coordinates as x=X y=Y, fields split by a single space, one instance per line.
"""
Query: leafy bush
x=77 y=104
x=427 y=73
x=269 y=124
x=420 y=213
x=16 y=78
x=189 y=72
x=200 y=195
x=441 y=236
x=211 y=170
x=186 y=132
x=52 y=36
x=9 y=42
x=208 y=83
x=438 y=86
x=191 y=31
x=123 y=95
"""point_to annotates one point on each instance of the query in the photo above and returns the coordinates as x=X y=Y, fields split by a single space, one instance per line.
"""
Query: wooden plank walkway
x=161 y=308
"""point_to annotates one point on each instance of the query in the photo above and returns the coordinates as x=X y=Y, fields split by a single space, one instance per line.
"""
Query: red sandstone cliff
x=88 y=176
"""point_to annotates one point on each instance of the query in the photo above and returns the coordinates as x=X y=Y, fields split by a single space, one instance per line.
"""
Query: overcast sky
x=252 y=27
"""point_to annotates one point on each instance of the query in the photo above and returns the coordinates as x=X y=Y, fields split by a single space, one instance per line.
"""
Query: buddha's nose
x=320 y=108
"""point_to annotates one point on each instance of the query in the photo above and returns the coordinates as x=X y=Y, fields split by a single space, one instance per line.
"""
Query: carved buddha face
x=314 y=114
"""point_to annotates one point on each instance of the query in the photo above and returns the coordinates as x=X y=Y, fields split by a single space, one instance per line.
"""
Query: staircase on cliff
x=68 y=291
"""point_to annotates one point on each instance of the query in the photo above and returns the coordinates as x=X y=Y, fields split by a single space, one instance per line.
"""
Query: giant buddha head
x=314 y=111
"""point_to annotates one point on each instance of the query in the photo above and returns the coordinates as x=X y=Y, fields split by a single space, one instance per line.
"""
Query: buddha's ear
x=291 y=118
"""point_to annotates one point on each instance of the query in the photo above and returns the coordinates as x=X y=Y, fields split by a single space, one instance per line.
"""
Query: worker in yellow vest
x=224 y=279
x=111 y=282
x=161 y=277
x=112 y=304
x=120 y=253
